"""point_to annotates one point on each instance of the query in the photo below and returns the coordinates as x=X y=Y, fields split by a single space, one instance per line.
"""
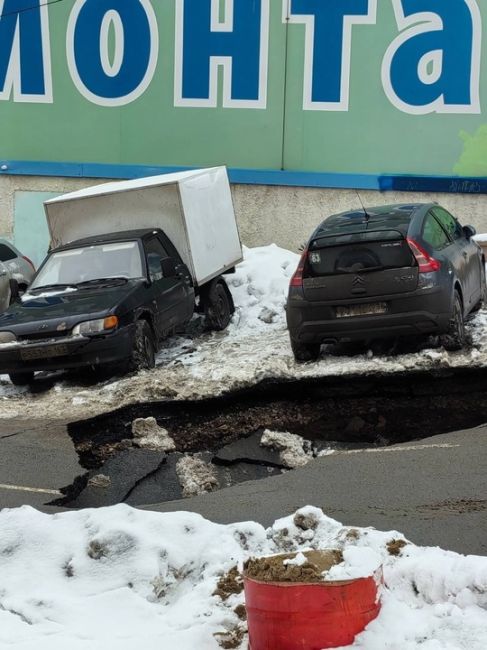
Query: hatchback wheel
x=455 y=337
x=21 y=378
x=143 y=352
x=483 y=293
x=305 y=351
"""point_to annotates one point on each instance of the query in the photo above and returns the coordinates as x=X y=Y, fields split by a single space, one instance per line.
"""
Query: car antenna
x=367 y=215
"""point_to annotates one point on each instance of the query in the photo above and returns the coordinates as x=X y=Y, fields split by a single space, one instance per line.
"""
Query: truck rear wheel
x=217 y=306
x=143 y=354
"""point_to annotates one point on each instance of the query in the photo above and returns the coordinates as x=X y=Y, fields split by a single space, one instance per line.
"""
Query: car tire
x=21 y=378
x=455 y=337
x=305 y=351
x=483 y=294
x=143 y=355
x=217 y=306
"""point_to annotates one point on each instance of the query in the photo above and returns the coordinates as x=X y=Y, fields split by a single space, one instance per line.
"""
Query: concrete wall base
x=267 y=214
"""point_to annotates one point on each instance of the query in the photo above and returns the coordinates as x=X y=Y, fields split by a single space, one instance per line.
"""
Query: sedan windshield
x=102 y=261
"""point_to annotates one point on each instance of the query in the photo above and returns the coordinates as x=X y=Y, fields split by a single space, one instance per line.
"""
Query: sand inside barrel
x=275 y=569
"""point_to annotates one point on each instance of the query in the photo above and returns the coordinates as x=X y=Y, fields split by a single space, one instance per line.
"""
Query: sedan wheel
x=143 y=351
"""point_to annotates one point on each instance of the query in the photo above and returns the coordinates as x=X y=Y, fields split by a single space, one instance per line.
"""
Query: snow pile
x=291 y=447
x=259 y=288
x=255 y=347
x=149 y=435
x=116 y=578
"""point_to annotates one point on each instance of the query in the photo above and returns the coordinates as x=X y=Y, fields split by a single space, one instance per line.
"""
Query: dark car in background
x=385 y=272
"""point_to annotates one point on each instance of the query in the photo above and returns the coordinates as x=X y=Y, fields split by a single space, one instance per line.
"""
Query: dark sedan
x=107 y=300
x=385 y=272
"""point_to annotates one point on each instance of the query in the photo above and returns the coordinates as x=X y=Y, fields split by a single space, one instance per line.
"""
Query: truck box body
x=194 y=209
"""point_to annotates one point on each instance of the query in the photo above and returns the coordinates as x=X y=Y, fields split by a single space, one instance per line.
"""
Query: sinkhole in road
x=218 y=441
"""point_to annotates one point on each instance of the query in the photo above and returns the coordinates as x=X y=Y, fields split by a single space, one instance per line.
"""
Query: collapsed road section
x=155 y=452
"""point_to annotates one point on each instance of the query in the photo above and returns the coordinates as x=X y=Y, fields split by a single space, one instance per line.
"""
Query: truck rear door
x=367 y=264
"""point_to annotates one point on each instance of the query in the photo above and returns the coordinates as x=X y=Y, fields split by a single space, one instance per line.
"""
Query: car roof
x=124 y=235
x=384 y=217
x=8 y=243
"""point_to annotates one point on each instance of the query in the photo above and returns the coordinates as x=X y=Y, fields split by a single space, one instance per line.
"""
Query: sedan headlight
x=96 y=326
x=7 y=337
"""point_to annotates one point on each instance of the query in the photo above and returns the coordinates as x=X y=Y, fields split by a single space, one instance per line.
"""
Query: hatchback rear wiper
x=368 y=269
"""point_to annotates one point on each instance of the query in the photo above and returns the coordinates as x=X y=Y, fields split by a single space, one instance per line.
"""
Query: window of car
x=434 y=234
x=155 y=252
x=449 y=223
x=6 y=253
x=86 y=263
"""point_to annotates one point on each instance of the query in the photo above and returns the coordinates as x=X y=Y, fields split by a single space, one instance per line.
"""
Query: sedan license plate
x=361 y=310
x=44 y=352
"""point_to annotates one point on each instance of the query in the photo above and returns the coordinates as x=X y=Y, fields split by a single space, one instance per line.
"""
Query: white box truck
x=129 y=264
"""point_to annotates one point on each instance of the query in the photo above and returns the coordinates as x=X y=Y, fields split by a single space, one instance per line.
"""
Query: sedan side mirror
x=168 y=267
x=469 y=231
x=14 y=290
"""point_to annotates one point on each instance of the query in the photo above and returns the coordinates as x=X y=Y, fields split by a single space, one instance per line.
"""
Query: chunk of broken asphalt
x=163 y=485
x=248 y=450
x=124 y=470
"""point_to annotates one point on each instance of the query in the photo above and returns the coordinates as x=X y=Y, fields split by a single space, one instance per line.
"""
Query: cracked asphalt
x=434 y=490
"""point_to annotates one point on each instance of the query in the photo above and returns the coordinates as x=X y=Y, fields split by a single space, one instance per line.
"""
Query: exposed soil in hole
x=331 y=412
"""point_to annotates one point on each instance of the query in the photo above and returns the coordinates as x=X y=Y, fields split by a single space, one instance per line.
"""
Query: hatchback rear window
x=6 y=253
x=387 y=250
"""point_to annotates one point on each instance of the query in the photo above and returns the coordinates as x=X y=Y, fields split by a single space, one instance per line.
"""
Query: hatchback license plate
x=45 y=352
x=361 y=310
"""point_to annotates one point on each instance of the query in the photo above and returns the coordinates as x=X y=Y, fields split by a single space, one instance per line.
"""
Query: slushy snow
x=118 y=578
x=253 y=348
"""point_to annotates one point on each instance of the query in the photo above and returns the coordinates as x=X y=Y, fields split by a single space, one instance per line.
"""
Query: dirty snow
x=255 y=347
x=149 y=435
x=195 y=476
x=298 y=560
x=119 y=578
x=291 y=448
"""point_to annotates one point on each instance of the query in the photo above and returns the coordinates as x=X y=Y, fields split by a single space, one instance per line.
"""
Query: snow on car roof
x=134 y=184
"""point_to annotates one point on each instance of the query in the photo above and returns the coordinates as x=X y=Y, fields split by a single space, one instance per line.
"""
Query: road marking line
x=23 y=488
x=380 y=450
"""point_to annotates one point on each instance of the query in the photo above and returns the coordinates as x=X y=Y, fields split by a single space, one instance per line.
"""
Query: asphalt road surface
x=434 y=491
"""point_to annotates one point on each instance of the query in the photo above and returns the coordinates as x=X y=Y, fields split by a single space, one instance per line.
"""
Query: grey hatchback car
x=385 y=272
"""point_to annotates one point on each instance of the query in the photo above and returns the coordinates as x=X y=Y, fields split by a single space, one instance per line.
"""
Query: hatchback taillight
x=297 y=279
x=426 y=263
x=24 y=257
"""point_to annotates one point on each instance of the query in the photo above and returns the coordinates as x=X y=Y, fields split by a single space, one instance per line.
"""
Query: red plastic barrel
x=309 y=616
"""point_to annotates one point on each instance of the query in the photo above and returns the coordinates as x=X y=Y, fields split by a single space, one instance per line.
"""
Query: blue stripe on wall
x=451 y=184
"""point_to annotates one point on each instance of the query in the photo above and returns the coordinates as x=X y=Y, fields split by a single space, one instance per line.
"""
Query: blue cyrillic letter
x=239 y=44
x=122 y=80
x=434 y=65
x=328 y=47
x=25 y=64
